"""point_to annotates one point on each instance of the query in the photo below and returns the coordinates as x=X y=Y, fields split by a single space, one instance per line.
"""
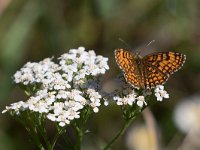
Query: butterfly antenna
x=150 y=43
x=124 y=43
x=146 y=46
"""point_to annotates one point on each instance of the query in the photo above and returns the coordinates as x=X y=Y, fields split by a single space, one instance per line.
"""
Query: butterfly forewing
x=126 y=62
x=124 y=59
x=166 y=62
x=159 y=66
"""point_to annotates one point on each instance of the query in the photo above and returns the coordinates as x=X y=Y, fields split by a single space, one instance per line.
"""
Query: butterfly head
x=138 y=59
x=138 y=53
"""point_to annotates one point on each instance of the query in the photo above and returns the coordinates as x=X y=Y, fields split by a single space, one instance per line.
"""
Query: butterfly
x=149 y=71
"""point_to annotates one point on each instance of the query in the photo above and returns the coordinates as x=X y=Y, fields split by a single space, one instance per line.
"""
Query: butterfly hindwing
x=153 y=77
x=132 y=78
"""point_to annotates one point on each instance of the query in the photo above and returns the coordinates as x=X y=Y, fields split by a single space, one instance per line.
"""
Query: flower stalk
x=120 y=133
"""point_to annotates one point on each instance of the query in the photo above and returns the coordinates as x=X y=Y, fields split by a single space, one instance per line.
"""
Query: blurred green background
x=31 y=30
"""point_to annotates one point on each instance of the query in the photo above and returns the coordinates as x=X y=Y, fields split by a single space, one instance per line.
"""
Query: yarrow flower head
x=61 y=91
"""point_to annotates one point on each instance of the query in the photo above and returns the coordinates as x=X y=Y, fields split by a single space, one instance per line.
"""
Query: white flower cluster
x=127 y=95
x=66 y=88
x=33 y=72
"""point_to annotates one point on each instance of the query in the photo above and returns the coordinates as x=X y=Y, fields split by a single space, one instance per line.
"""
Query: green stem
x=28 y=122
x=68 y=140
x=59 y=132
x=120 y=133
x=80 y=137
x=41 y=127
x=79 y=127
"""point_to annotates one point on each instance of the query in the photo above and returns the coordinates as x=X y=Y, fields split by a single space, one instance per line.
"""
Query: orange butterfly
x=148 y=71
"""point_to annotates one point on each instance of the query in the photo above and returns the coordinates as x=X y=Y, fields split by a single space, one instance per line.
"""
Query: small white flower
x=106 y=103
x=128 y=99
x=51 y=117
x=62 y=124
x=80 y=74
x=73 y=114
x=160 y=93
x=73 y=93
x=73 y=105
x=80 y=98
x=62 y=118
x=141 y=101
x=131 y=100
x=94 y=102
x=62 y=94
x=93 y=94
x=94 y=99
x=58 y=108
x=16 y=107
x=119 y=100
x=96 y=109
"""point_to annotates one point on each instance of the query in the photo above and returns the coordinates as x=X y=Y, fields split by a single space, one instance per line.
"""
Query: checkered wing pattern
x=159 y=66
x=126 y=62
